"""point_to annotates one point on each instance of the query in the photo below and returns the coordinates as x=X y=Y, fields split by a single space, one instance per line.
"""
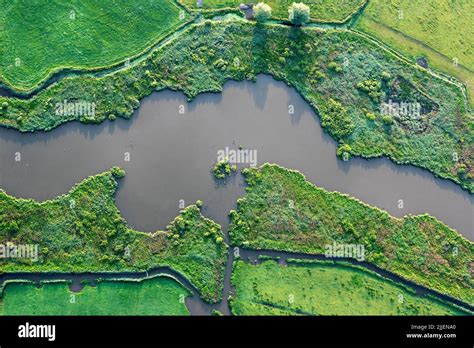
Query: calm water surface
x=171 y=155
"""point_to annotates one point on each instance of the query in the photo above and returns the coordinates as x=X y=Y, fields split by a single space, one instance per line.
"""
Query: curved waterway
x=194 y=303
x=170 y=155
x=77 y=281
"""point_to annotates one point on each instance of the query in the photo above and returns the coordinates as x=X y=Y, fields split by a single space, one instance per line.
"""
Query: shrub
x=317 y=74
x=117 y=172
x=220 y=64
x=372 y=87
x=335 y=119
x=262 y=12
x=387 y=119
x=386 y=76
x=462 y=170
x=344 y=151
x=335 y=67
x=299 y=13
x=222 y=169
x=371 y=116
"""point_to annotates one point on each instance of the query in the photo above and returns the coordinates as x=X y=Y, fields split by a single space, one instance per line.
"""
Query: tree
x=262 y=12
x=298 y=13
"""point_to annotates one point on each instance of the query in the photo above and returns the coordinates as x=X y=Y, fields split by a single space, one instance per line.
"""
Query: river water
x=171 y=154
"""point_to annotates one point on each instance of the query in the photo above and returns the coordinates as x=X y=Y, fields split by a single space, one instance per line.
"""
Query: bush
x=462 y=170
x=387 y=119
x=335 y=67
x=344 y=151
x=299 y=13
x=335 y=120
x=220 y=64
x=222 y=169
x=371 y=116
x=262 y=12
x=372 y=87
x=386 y=76
x=117 y=172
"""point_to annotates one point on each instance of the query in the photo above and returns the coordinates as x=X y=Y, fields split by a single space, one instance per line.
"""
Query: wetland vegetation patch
x=283 y=211
x=83 y=231
x=324 y=66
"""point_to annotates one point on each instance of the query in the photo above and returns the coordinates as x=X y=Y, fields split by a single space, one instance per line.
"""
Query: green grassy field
x=83 y=231
x=324 y=66
x=39 y=37
x=325 y=288
x=283 y=211
x=437 y=30
x=321 y=10
x=155 y=296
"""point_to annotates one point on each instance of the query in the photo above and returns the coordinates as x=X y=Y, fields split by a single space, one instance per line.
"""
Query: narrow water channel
x=194 y=303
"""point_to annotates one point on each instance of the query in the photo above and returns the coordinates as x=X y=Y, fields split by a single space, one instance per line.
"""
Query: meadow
x=160 y=295
x=325 y=288
x=283 y=211
x=321 y=10
x=440 y=31
x=83 y=231
x=42 y=37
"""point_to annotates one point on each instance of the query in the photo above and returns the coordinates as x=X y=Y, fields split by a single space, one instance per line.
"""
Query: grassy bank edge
x=116 y=173
x=338 y=263
x=119 y=64
x=235 y=240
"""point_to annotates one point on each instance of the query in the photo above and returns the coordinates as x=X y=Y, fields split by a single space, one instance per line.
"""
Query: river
x=171 y=155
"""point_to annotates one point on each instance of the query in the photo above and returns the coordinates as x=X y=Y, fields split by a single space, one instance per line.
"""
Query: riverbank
x=300 y=58
x=283 y=211
x=83 y=231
